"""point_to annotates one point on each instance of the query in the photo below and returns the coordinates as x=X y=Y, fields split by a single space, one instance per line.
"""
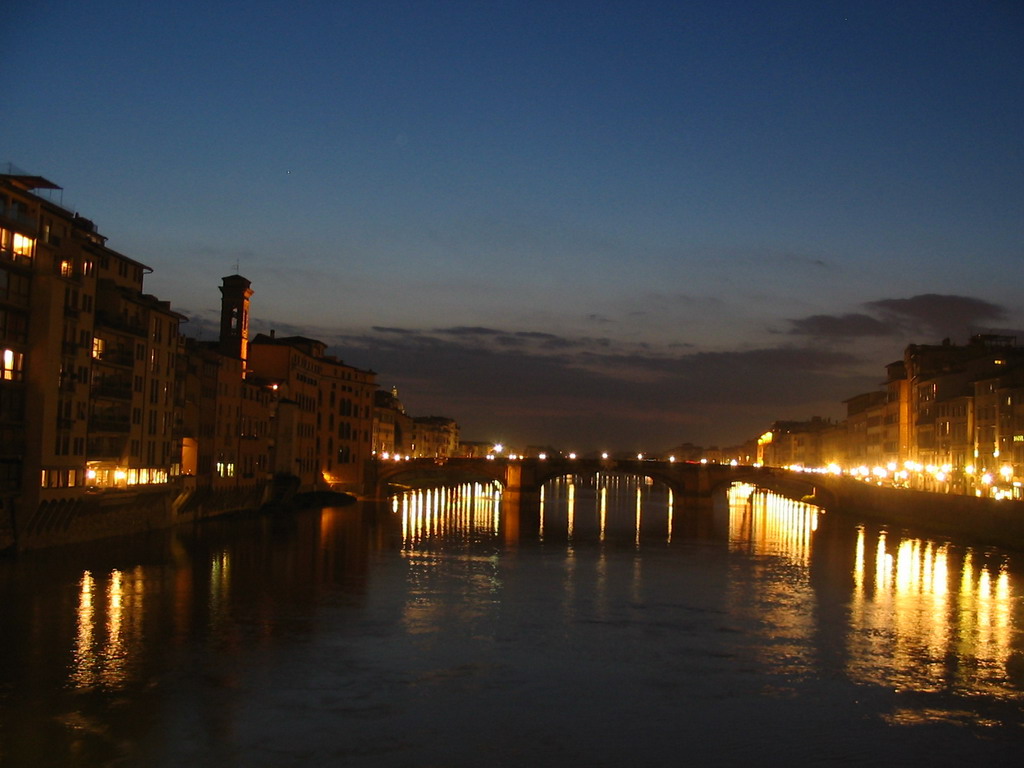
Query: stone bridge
x=687 y=480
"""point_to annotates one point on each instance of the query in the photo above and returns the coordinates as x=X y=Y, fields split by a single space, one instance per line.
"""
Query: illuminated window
x=22 y=245
x=11 y=365
x=67 y=268
x=98 y=346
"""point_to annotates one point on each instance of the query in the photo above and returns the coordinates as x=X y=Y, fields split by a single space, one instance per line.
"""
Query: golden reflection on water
x=923 y=616
x=927 y=605
x=471 y=510
x=764 y=523
x=108 y=633
x=468 y=512
x=572 y=508
x=776 y=530
x=584 y=505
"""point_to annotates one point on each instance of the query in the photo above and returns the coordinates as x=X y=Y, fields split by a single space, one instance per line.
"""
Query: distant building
x=950 y=418
x=435 y=437
x=864 y=429
x=392 y=426
x=793 y=443
x=323 y=429
x=227 y=414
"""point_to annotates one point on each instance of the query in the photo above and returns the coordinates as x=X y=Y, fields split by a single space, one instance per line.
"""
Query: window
x=11 y=365
x=13 y=286
x=12 y=405
x=22 y=245
x=13 y=326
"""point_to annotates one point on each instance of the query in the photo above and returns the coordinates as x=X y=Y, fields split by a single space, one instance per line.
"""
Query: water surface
x=610 y=625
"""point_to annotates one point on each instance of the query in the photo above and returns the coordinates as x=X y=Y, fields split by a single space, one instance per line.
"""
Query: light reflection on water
x=109 y=633
x=470 y=511
x=606 y=589
x=924 y=616
x=764 y=523
x=578 y=508
x=942 y=617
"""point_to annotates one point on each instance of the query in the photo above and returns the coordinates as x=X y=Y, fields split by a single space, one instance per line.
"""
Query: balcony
x=17 y=259
x=106 y=448
x=110 y=424
x=132 y=326
x=19 y=220
x=12 y=446
x=122 y=357
x=115 y=390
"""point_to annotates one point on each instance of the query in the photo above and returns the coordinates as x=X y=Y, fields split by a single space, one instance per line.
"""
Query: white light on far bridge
x=542 y=456
x=604 y=455
x=572 y=455
x=734 y=463
x=672 y=459
x=640 y=457
x=498 y=447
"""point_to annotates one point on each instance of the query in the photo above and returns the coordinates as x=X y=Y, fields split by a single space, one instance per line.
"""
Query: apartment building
x=88 y=361
x=324 y=418
x=951 y=418
x=435 y=437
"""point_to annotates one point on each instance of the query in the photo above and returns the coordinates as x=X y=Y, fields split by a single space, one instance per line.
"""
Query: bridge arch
x=435 y=471
x=685 y=479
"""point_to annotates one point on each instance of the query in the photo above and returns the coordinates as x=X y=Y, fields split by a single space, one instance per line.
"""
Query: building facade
x=105 y=406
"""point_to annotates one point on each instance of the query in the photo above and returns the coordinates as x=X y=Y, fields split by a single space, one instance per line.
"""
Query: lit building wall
x=346 y=423
x=327 y=438
x=88 y=360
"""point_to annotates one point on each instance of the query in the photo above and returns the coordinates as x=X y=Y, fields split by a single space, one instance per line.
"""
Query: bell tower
x=234 y=317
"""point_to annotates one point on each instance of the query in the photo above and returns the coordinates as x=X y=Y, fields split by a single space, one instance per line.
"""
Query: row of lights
x=499 y=448
x=891 y=472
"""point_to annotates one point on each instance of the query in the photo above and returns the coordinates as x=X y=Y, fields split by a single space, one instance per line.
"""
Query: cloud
x=927 y=314
x=947 y=315
x=398 y=331
x=841 y=326
x=468 y=331
x=528 y=387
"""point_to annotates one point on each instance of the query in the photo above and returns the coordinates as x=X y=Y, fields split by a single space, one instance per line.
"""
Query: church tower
x=234 y=317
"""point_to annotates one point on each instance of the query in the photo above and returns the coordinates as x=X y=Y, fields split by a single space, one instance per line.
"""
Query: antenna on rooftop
x=236 y=265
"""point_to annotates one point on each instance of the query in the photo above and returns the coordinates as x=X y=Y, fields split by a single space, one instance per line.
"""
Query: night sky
x=592 y=224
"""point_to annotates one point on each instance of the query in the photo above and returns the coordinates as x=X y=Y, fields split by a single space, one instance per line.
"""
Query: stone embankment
x=984 y=521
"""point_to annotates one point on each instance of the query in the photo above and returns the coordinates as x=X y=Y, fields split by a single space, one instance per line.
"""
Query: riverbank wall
x=95 y=515
x=984 y=521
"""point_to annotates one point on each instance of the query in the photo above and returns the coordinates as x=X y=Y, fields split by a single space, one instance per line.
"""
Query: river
x=605 y=624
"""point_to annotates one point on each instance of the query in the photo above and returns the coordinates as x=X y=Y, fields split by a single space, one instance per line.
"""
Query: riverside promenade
x=994 y=522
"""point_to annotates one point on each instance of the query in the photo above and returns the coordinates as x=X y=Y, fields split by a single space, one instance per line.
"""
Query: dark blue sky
x=591 y=223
